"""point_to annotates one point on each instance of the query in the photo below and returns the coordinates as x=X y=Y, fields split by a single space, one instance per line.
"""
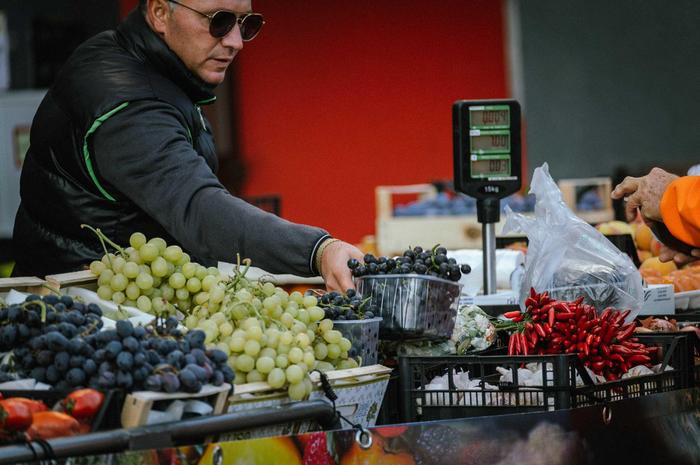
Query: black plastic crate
x=108 y=417
x=555 y=389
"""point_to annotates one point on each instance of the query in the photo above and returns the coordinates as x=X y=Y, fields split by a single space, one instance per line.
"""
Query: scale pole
x=488 y=213
x=488 y=231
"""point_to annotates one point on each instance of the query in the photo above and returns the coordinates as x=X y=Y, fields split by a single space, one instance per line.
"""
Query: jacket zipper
x=201 y=117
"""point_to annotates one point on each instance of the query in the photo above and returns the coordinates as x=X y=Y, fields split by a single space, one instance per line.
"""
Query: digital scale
x=487 y=165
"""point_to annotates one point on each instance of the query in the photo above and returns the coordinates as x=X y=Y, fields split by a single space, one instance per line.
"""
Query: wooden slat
x=29 y=281
x=75 y=277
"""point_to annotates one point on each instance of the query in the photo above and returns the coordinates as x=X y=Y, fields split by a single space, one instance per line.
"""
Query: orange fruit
x=655 y=264
x=643 y=255
x=643 y=237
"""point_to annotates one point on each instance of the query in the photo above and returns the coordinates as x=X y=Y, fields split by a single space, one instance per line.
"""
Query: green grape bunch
x=154 y=277
x=271 y=335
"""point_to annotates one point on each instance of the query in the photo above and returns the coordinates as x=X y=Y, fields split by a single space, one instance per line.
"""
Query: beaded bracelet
x=321 y=249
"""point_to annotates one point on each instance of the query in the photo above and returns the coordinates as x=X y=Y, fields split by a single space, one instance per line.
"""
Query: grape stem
x=101 y=236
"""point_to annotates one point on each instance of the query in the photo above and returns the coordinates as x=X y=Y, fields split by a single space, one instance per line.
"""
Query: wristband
x=321 y=249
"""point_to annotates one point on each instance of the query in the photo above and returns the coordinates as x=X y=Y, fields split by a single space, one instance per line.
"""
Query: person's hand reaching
x=644 y=193
x=667 y=254
x=334 y=265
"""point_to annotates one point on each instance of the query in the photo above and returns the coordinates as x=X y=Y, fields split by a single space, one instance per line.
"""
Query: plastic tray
x=688 y=300
x=556 y=390
x=412 y=306
x=364 y=335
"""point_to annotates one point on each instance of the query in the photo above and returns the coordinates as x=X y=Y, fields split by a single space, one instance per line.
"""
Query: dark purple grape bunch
x=433 y=262
x=346 y=306
x=58 y=341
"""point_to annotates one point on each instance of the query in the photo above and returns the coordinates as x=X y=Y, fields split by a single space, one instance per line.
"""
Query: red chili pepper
x=547 y=328
x=571 y=348
x=597 y=366
x=606 y=313
x=605 y=350
x=513 y=314
x=551 y=316
x=524 y=344
x=578 y=301
x=617 y=357
x=609 y=334
x=589 y=339
x=557 y=340
x=533 y=338
x=528 y=326
x=624 y=367
x=564 y=316
x=637 y=358
x=511 y=344
x=582 y=323
x=596 y=330
x=533 y=294
x=530 y=302
x=619 y=349
x=540 y=331
x=518 y=344
x=624 y=315
x=625 y=332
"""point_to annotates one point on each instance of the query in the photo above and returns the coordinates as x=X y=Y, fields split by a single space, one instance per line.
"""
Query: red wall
x=125 y=6
x=335 y=98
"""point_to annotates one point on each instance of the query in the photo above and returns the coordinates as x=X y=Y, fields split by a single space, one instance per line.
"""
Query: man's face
x=187 y=34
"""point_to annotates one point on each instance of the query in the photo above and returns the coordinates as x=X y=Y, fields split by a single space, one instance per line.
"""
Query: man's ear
x=157 y=13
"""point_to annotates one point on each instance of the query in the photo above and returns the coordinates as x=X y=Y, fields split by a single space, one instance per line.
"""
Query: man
x=120 y=143
x=669 y=199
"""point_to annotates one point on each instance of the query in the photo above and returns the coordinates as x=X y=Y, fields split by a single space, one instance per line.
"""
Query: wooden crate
x=138 y=405
x=395 y=234
x=569 y=189
x=29 y=284
x=76 y=278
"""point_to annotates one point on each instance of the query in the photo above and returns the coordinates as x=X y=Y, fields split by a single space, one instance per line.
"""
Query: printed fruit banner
x=657 y=429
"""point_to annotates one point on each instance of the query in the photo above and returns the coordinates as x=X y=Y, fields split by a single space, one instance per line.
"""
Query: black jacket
x=120 y=143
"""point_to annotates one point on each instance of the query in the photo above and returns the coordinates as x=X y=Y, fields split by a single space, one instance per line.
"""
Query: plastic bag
x=570 y=258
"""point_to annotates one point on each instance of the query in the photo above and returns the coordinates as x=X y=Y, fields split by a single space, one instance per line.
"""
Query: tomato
x=14 y=415
x=83 y=404
x=47 y=425
x=33 y=405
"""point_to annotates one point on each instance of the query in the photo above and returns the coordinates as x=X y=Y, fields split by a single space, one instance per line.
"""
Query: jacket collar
x=142 y=41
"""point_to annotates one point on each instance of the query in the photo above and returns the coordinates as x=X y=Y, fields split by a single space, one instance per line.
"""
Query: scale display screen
x=489 y=116
x=488 y=167
x=489 y=141
x=487 y=155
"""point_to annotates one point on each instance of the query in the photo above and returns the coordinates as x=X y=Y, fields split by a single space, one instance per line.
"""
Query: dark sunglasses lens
x=222 y=23
x=250 y=26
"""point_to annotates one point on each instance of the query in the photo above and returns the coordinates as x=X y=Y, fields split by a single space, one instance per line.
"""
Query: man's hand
x=667 y=254
x=334 y=265
x=644 y=193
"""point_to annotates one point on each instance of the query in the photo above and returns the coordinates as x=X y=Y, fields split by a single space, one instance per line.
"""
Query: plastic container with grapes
x=364 y=336
x=411 y=305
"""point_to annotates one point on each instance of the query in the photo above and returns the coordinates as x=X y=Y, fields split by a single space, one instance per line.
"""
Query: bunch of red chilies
x=602 y=342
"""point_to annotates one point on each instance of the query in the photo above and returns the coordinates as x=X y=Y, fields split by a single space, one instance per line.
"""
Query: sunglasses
x=221 y=22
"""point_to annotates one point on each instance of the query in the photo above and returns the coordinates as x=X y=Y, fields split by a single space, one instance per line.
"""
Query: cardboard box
x=360 y=393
